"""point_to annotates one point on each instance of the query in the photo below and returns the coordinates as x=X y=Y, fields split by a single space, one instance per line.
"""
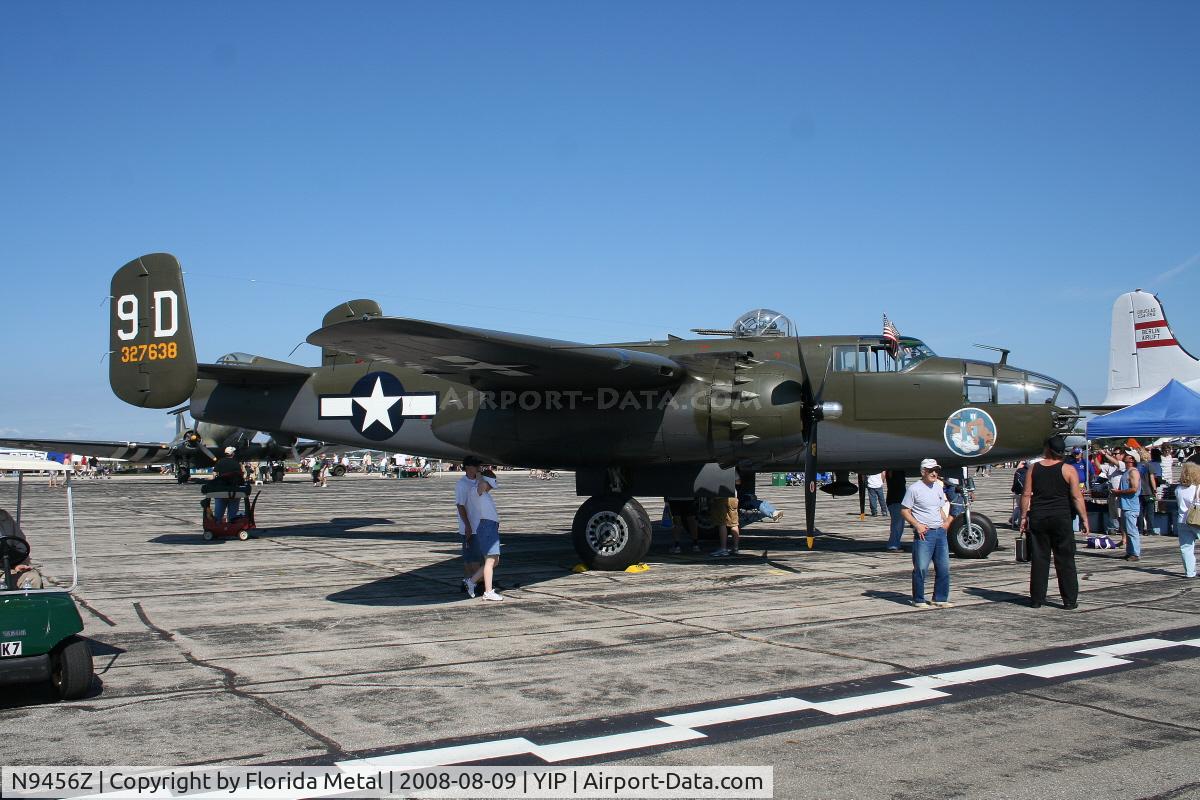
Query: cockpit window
x=1040 y=393
x=877 y=355
x=763 y=322
x=912 y=352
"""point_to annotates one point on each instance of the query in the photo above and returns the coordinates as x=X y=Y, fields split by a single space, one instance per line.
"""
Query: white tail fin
x=1143 y=354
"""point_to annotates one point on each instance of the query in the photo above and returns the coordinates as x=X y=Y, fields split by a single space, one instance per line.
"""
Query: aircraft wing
x=139 y=452
x=495 y=359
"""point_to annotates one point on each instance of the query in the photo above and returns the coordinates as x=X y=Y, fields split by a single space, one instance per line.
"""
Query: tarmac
x=339 y=634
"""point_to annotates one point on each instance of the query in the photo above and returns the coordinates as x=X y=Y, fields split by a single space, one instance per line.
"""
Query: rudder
x=152 y=358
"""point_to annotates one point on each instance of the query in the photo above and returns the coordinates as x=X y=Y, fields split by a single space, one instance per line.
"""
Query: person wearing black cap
x=1051 y=489
x=227 y=478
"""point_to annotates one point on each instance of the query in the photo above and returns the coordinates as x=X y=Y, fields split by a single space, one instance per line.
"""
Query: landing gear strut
x=182 y=473
x=611 y=532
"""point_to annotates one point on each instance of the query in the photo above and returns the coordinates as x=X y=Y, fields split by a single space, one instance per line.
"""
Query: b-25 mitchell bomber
x=674 y=418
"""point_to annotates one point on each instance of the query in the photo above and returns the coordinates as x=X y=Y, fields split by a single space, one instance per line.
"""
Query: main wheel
x=975 y=542
x=611 y=532
x=338 y=471
x=182 y=474
x=207 y=536
x=71 y=668
x=277 y=474
x=243 y=535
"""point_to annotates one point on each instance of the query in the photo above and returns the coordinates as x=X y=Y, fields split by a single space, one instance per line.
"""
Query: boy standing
x=485 y=521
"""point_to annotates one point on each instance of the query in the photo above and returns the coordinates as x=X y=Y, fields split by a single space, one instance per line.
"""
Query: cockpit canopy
x=763 y=322
x=237 y=358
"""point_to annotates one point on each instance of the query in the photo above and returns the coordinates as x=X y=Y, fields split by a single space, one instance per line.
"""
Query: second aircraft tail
x=1144 y=354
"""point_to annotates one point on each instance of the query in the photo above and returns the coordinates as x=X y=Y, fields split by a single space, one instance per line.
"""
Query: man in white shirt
x=875 y=493
x=924 y=507
x=463 y=489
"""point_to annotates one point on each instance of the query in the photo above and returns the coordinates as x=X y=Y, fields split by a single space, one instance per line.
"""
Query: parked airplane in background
x=194 y=447
x=1144 y=354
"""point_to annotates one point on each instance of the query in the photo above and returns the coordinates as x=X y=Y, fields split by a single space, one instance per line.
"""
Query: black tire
x=338 y=471
x=71 y=668
x=611 y=532
x=277 y=475
x=978 y=542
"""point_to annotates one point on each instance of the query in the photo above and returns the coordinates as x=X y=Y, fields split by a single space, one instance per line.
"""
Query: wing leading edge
x=494 y=359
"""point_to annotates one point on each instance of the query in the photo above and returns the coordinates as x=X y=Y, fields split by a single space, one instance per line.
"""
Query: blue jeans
x=897 y=526
x=936 y=548
x=223 y=504
x=877 y=504
x=1133 y=537
x=1187 y=548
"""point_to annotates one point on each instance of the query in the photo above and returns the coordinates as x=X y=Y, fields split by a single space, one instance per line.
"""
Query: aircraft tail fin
x=152 y=358
x=351 y=309
x=1144 y=354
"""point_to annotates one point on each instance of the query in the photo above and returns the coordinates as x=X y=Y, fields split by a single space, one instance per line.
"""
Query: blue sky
x=981 y=172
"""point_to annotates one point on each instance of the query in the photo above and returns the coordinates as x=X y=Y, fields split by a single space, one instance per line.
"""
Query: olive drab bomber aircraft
x=673 y=418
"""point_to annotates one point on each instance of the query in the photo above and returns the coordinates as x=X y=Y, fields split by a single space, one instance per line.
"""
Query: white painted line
x=868 y=702
x=678 y=727
x=716 y=716
x=1129 y=648
x=961 y=676
x=443 y=756
x=601 y=745
x=1060 y=668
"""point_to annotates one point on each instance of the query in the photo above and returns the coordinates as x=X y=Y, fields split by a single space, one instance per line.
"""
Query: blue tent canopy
x=1173 y=411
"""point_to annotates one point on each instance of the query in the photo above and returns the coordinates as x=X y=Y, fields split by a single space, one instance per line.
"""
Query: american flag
x=891 y=334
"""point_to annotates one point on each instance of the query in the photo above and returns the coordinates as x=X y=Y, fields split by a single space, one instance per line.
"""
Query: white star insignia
x=376 y=407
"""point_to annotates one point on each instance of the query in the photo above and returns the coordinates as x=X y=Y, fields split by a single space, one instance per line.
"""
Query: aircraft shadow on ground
x=336 y=528
x=528 y=560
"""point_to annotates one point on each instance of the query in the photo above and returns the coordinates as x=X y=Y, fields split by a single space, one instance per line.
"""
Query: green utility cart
x=39 y=628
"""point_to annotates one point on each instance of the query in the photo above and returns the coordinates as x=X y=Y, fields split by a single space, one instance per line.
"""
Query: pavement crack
x=1110 y=711
x=229 y=681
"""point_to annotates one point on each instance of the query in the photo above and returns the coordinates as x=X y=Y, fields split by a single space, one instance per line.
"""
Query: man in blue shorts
x=923 y=507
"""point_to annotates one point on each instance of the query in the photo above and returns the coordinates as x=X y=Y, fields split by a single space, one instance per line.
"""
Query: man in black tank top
x=1051 y=489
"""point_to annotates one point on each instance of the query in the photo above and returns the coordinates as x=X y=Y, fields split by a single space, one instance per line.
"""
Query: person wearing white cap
x=923 y=507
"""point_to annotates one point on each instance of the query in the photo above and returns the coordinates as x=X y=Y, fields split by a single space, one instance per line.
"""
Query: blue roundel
x=970 y=432
x=377 y=406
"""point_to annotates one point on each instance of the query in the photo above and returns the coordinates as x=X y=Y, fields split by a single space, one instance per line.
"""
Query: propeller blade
x=810 y=484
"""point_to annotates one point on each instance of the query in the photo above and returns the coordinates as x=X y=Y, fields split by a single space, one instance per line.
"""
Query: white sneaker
x=495 y=598
x=675 y=550
x=943 y=604
x=922 y=604
x=778 y=515
x=470 y=587
x=720 y=552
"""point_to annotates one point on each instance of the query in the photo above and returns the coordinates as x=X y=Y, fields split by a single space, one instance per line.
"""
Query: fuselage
x=740 y=401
